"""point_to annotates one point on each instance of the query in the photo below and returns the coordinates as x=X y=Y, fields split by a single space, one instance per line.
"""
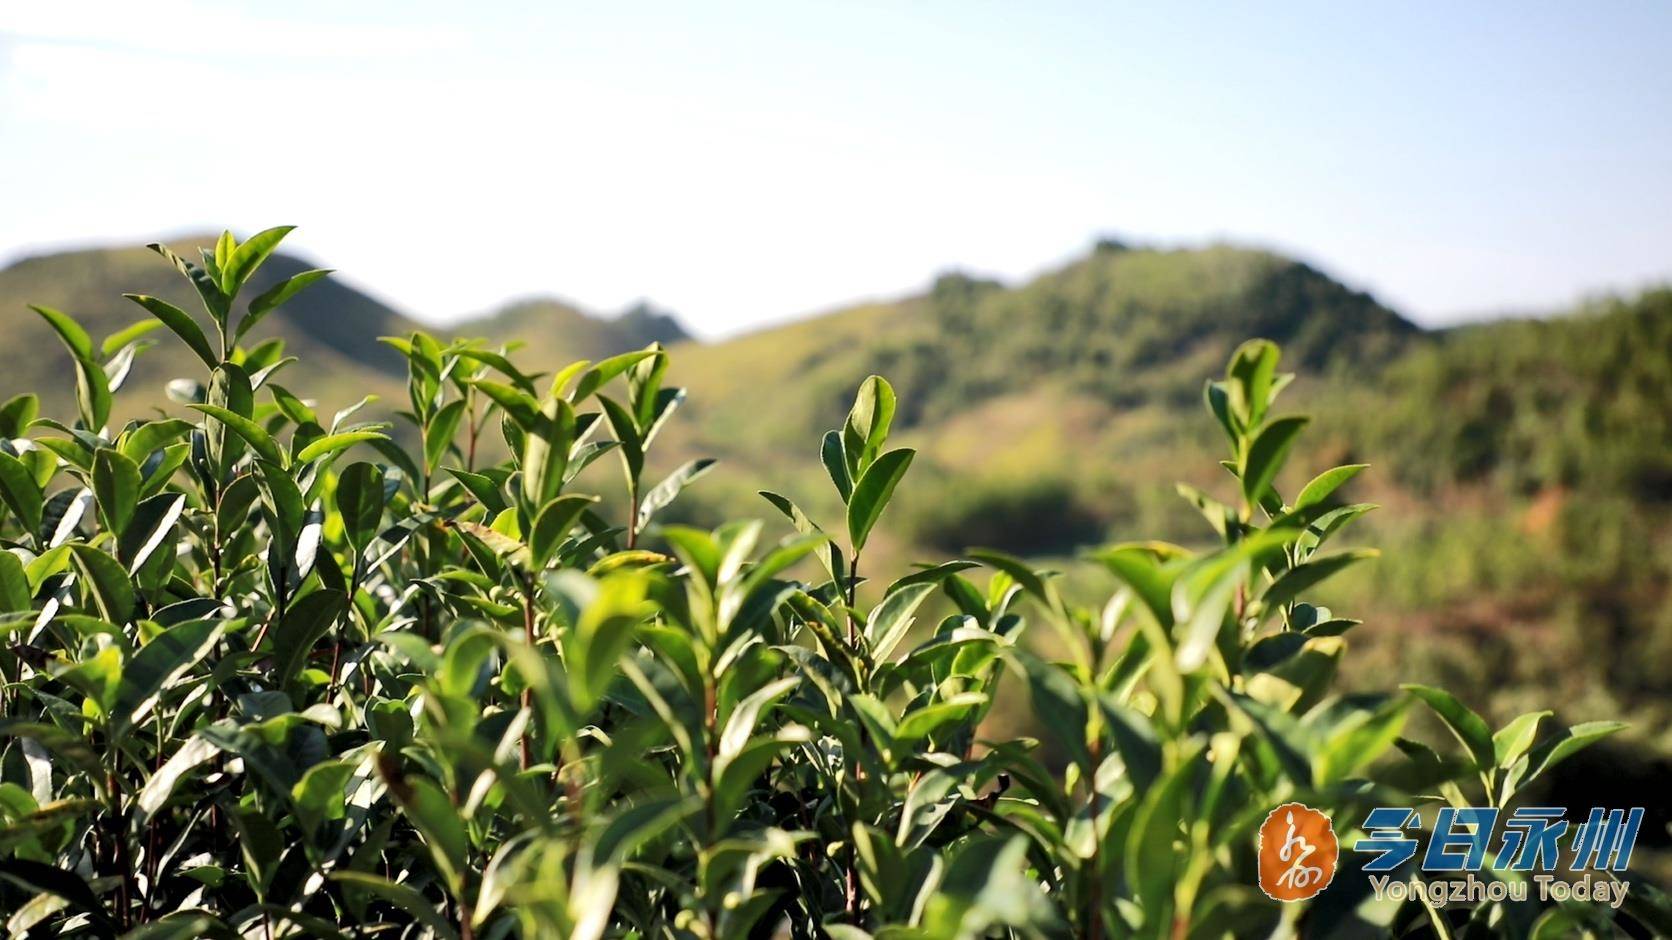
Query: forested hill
x=1120 y=327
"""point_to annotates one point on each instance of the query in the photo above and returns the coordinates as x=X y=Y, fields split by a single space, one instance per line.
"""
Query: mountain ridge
x=1126 y=326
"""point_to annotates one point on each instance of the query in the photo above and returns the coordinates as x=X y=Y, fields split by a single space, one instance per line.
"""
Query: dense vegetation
x=254 y=686
x=1529 y=536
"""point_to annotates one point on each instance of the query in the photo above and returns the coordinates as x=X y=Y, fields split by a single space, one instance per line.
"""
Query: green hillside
x=1044 y=413
x=551 y=333
x=1124 y=328
x=1529 y=486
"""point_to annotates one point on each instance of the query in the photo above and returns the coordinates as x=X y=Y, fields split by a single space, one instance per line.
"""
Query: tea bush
x=254 y=687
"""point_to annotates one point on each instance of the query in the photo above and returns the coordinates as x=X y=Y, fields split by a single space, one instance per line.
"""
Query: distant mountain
x=1117 y=330
x=552 y=333
x=331 y=328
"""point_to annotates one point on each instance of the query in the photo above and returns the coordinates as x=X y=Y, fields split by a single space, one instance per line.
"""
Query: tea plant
x=256 y=687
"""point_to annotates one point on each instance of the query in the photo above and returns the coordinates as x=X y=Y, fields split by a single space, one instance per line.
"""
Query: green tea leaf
x=18 y=413
x=92 y=385
x=439 y=433
x=921 y=723
x=1326 y=483
x=181 y=324
x=336 y=443
x=835 y=464
x=740 y=725
x=253 y=434
x=400 y=895
x=517 y=404
x=148 y=534
x=1266 y=456
x=1465 y=724
x=106 y=582
x=872 y=493
x=1139 y=566
x=156 y=665
x=546 y=451
x=666 y=491
x=626 y=431
x=161 y=785
x=1248 y=379
x=1560 y=747
x=21 y=493
x=600 y=374
x=553 y=523
x=40 y=878
x=893 y=617
x=867 y=426
x=116 y=486
x=520 y=379
x=433 y=814
x=15 y=592
x=208 y=288
x=293 y=638
x=1291 y=583
x=276 y=295
x=1512 y=740
x=247 y=257
x=360 y=499
x=143 y=441
x=319 y=795
x=74 y=338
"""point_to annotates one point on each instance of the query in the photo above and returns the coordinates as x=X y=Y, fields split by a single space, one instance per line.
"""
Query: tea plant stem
x=151 y=829
x=852 y=885
x=853 y=598
x=421 y=553
x=472 y=429
x=711 y=709
x=261 y=634
x=1093 y=916
x=214 y=502
x=336 y=636
x=526 y=750
x=119 y=835
x=336 y=664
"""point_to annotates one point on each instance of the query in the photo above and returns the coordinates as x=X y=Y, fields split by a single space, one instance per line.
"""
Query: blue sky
x=742 y=163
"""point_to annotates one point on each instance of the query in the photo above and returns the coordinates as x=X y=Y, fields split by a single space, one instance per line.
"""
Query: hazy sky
x=743 y=163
